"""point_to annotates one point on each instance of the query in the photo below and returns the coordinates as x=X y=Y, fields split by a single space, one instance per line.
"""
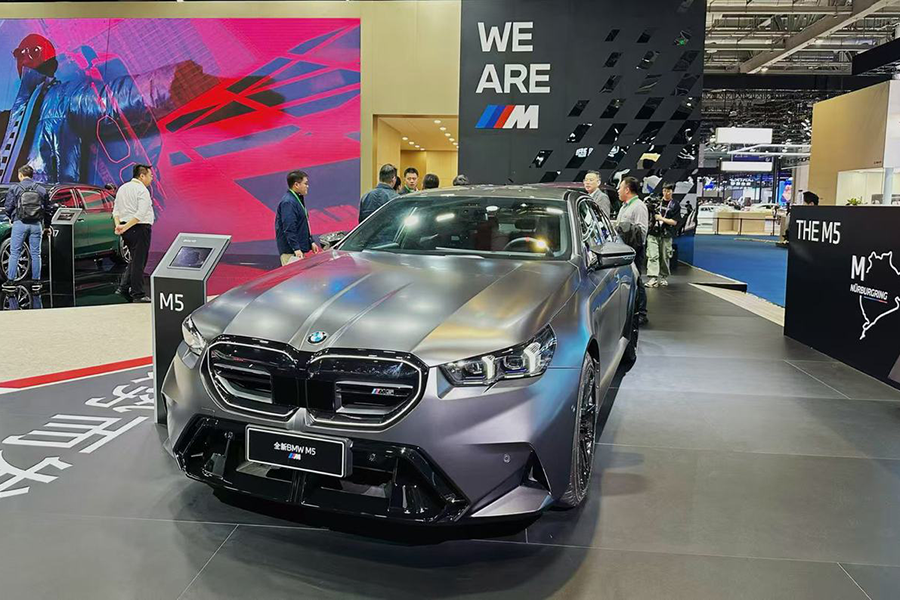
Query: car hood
x=438 y=308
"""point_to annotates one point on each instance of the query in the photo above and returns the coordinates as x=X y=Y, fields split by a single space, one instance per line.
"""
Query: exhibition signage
x=178 y=288
x=549 y=90
x=743 y=135
x=843 y=285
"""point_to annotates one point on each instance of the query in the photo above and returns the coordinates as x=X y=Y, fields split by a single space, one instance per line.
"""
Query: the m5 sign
x=510 y=77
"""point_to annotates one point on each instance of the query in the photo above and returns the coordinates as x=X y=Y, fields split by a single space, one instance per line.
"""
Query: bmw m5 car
x=445 y=362
x=94 y=234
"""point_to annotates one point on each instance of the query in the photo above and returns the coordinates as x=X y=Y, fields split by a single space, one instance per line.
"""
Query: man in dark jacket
x=24 y=227
x=292 y=220
x=381 y=195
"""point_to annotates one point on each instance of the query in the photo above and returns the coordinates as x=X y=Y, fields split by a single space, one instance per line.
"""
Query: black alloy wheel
x=122 y=254
x=20 y=299
x=586 y=413
x=587 y=427
x=24 y=267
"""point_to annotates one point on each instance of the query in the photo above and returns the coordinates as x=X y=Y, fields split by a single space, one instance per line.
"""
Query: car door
x=624 y=275
x=68 y=197
x=605 y=303
x=100 y=233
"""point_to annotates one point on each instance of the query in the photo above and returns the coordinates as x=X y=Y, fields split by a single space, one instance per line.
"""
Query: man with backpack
x=27 y=206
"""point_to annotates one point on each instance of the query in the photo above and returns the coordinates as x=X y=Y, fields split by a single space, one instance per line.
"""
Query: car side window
x=65 y=197
x=595 y=227
x=609 y=230
x=587 y=218
x=93 y=201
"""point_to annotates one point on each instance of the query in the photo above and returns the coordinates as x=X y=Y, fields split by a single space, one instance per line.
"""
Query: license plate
x=299 y=451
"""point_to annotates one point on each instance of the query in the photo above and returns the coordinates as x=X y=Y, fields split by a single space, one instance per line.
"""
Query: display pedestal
x=178 y=288
x=62 y=256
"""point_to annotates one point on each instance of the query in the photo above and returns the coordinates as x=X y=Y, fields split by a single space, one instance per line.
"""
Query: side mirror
x=613 y=254
x=330 y=240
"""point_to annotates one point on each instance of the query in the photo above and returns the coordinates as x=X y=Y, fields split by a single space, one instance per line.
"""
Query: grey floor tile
x=724 y=375
x=723 y=345
x=79 y=558
x=304 y=564
x=745 y=423
x=880 y=583
x=131 y=476
x=659 y=303
x=736 y=504
x=70 y=396
x=736 y=326
x=847 y=380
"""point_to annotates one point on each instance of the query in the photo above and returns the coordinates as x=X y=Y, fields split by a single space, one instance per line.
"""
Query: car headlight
x=192 y=337
x=530 y=359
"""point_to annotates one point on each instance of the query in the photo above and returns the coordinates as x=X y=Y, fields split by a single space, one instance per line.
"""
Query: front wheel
x=122 y=255
x=24 y=266
x=583 y=439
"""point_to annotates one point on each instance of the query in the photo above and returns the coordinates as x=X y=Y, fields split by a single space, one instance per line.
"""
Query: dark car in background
x=94 y=235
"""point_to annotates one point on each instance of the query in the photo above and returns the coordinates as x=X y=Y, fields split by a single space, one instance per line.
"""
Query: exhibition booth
x=477 y=390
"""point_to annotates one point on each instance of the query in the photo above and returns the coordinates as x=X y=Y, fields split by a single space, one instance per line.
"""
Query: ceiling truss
x=795 y=36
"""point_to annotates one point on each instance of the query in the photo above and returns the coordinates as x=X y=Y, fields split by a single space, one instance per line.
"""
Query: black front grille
x=387 y=480
x=339 y=388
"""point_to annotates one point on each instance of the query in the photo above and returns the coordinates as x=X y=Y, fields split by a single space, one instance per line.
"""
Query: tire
x=24 y=269
x=632 y=331
x=122 y=255
x=583 y=437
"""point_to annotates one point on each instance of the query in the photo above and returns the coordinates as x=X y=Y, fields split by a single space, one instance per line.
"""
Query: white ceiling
x=425 y=132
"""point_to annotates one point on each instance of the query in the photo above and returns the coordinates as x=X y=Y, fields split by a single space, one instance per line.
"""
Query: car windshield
x=495 y=227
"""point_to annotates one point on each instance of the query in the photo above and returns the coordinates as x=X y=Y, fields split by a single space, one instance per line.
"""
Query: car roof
x=52 y=186
x=534 y=191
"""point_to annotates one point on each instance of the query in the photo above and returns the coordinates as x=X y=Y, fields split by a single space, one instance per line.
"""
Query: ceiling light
x=452 y=140
x=404 y=138
x=412 y=143
x=443 y=128
x=447 y=134
x=437 y=121
x=764 y=69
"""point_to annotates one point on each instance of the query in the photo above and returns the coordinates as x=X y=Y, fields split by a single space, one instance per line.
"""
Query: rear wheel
x=583 y=438
x=632 y=332
x=24 y=267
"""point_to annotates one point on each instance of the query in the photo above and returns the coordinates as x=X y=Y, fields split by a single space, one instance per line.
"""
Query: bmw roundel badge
x=317 y=337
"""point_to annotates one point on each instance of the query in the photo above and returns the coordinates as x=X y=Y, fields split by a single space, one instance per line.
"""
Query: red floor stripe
x=76 y=373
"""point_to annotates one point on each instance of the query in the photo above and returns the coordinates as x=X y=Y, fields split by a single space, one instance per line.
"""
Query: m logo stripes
x=509 y=116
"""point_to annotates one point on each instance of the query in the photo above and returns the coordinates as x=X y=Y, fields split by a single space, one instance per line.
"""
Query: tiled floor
x=734 y=464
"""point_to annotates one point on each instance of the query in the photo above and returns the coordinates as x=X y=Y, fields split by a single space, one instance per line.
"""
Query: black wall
x=828 y=303
x=631 y=106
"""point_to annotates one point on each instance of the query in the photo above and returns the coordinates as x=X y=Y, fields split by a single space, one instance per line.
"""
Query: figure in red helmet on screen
x=76 y=117
x=37 y=53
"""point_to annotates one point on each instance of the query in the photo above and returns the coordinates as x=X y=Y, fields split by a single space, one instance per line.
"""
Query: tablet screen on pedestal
x=190 y=257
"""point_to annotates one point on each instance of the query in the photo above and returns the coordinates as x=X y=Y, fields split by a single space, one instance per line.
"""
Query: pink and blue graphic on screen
x=223 y=108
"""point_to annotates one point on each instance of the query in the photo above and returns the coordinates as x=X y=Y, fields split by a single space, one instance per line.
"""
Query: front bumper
x=460 y=453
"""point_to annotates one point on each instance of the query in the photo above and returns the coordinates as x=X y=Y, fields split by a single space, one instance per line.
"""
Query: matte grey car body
x=452 y=449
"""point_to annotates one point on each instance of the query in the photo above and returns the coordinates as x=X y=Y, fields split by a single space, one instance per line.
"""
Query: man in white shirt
x=592 y=186
x=133 y=218
x=632 y=223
